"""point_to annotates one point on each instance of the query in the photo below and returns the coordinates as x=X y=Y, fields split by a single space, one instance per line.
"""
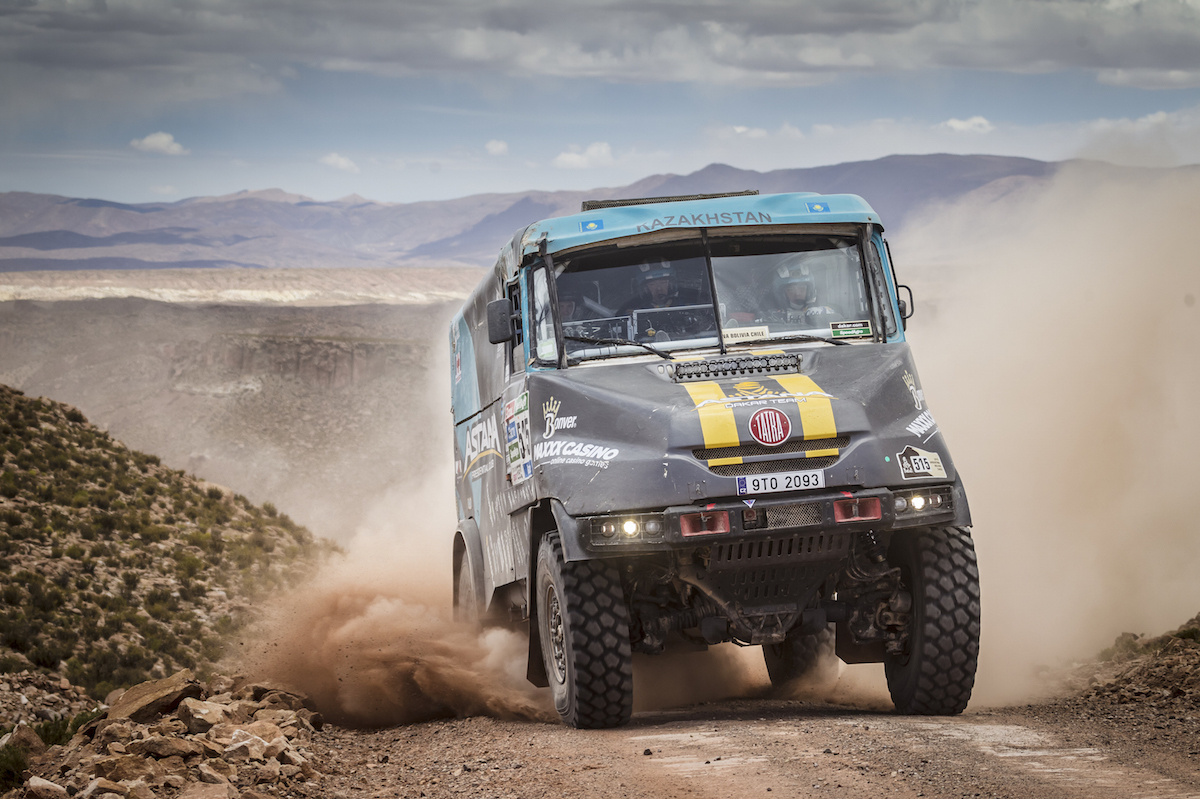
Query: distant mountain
x=272 y=228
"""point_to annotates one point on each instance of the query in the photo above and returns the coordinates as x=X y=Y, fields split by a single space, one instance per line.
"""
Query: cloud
x=496 y=147
x=597 y=154
x=159 y=52
x=163 y=143
x=339 y=162
x=976 y=124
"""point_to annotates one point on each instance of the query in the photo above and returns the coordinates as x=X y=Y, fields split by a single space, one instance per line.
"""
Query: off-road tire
x=584 y=627
x=466 y=601
x=935 y=675
x=798 y=656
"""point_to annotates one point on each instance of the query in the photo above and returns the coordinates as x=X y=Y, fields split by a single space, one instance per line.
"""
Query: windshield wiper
x=805 y=337
x=617 y=341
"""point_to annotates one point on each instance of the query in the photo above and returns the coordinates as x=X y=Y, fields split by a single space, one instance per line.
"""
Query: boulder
x=126 y=767
x=161 y=747
x=207 y=790
x=149 y=700
x=99 y=787
x=28 y=741
x=201 y=716
x=38 y=788
x=245 y=746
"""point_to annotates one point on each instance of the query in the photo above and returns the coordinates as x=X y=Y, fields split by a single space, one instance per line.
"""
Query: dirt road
x=746 y=748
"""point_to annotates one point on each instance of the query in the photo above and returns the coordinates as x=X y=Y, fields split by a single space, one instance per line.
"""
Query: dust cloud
x=1057 y=336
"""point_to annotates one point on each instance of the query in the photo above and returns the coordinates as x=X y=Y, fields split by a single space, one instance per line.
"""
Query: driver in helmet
x=795 y=292
x=656 y=287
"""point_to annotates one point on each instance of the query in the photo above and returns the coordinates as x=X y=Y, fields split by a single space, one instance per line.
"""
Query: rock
x=201 y=716
x=162 y=747
x=314 y=720
x=276 y=747
x=173 y=765
x=149 y=700
x=292 y=758
x=140 y=790
x=208 y=773
x=174 y=781
x=99 y=787
x=207 y=790
x=281 y=700
x=126 y=767
x=109 y=731
x=38 y=788
x=25 y=739
x=267 y=772
x=245 y=746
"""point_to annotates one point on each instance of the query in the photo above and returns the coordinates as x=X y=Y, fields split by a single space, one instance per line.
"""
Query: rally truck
x=684 y=421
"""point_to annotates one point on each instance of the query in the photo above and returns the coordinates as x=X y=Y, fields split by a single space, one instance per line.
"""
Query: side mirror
x=906 y=308
x=500 y=321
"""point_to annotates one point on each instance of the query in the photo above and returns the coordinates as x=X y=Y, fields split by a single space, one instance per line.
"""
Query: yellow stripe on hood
x=816 y=411
x=716 y=420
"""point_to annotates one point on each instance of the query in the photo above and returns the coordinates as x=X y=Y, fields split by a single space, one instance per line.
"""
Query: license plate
x=783 y=481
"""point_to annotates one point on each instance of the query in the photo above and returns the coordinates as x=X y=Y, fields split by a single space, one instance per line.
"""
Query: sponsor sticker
x=734 y=334
x=856 y=329
x=918 y=395
x=922 y=424
x=574 y=452
x=916 y=463
x=516 y=437
x=783 y=481
x=770 y=427
x=555 y=422
x=482 y=439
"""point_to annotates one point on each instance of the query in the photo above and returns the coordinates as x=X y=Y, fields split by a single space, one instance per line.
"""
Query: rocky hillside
x=115 y=567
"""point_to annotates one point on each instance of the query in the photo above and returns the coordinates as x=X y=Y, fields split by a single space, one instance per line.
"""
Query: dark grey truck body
x=763 y=477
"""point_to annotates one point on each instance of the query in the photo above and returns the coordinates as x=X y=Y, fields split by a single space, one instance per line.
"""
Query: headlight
x=923 y=501
x=627 y=528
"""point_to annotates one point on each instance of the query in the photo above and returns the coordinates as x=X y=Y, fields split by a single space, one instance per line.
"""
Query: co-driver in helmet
x=795 y=292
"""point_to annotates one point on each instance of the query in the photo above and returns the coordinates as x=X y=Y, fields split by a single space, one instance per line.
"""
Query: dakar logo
x=752 y=389
x=554 y=422
x=917 y=394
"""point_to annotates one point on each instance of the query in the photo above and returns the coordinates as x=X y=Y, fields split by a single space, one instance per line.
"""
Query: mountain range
x=273 y=229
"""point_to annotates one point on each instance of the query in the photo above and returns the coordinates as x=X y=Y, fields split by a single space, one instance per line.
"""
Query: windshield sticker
x=858 y=329
x=722 y=218
x=922 y=424
x=916 y=463
x=818 y=208
x=918 y=395
x=574 y=452
x=735 y=334
x=554 y=422
x=516 y=435
x=591 y=225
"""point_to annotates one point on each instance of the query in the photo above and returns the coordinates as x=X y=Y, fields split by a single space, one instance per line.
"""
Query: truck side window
x=516 y=351
x=882 y=298
x=545 y=347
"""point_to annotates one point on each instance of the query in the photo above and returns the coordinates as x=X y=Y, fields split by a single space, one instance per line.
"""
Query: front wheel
x=584 y=627
x=466 y=598
x=936 y=672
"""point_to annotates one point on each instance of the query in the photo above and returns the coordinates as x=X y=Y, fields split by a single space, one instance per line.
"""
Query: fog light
x=901 y=504
x=653 y=527
x=608 y=529
x=630 y=527
x=918 y=502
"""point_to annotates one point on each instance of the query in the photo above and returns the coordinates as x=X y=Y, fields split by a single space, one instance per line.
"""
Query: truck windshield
x=767 y=287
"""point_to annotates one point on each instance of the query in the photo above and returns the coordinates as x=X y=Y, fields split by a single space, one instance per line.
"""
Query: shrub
x=12 y=765
x=55 y=732
x=73 y=415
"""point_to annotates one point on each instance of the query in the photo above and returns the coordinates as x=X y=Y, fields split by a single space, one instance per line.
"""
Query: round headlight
x=630 y=527
x=918 y=502
x=901 y=504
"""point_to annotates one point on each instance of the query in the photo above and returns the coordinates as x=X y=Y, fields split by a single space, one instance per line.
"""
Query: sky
x=410 y=100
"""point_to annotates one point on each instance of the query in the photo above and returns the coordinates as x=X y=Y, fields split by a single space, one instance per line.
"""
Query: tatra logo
x=770 y=427
x=554 y=422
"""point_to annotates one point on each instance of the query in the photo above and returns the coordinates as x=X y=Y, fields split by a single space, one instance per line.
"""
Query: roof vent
x=596 y=205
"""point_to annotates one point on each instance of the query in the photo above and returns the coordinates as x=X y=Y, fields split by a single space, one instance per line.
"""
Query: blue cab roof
x=590 y=227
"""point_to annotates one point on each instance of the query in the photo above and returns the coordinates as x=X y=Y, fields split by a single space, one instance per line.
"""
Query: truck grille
x=787 y=448
x=776 y=570
x=793 y=515
x=772 y=467
x=768 y=551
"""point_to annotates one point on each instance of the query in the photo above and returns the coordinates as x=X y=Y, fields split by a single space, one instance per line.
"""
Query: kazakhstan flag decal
x=818 y=208
x=591 y=225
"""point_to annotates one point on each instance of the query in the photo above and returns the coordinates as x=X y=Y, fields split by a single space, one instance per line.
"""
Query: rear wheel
x=936 y=673
x=466 y=599
x=584 y=627
x=799 y=656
